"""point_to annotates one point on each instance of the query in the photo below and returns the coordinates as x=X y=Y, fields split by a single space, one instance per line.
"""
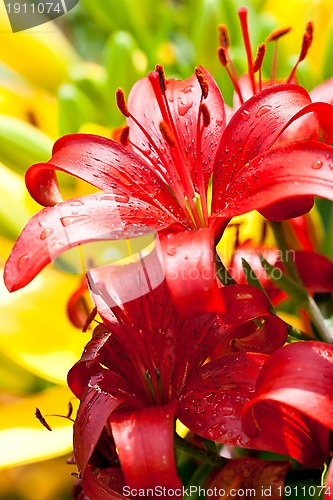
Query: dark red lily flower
x=176 y=140
x=148 y=366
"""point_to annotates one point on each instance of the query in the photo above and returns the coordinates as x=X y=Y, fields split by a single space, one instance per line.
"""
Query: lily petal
x=253 y=129
x=256 y=126
x=144 y=440
x=316 y=271
x=190 y=272
x=219 y=393
x=106 y=391
x=97 y=489
x=269 y=178
x=293 y=387
x=296 y=375
x=56 y=229
x=215 y=394
x=105 y=164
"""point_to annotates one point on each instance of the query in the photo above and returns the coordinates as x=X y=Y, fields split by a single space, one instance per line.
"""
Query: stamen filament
x=176 y=151
x=225 y=61
x=242 y=13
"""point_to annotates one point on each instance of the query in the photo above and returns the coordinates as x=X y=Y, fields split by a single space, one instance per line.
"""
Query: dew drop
x=41 y=223
x=183 y=108
x=22 y=261
x=317 y=164
x=121 y=198
x=171 y=251
x=46 y=233
x=75 y=203
x=68 y=221
x=245 y=115
x=188 y=89
x=263 y=110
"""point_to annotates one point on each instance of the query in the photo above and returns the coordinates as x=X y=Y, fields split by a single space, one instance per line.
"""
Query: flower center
x=176 y=173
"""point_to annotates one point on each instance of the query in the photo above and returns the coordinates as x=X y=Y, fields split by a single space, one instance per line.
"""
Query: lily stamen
x=306 y=43
x=257 y=65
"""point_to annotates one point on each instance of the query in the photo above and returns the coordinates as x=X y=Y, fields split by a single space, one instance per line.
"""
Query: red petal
x=243 y=304
x=144 y=440
x=252 y=130
x=94 y=410
x=212 y=401
x=316 y=271
x=297 y=375
x=323 y=92
x=98 y=489
x=183 y=99
x=264 y=477
x=190 y=272
x=293 y=171
x=56 y=229
x=105 y=164
x=293 y=385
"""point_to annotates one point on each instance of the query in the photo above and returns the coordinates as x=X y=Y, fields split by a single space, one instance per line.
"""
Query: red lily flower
x=149 y=366
x=175 y=141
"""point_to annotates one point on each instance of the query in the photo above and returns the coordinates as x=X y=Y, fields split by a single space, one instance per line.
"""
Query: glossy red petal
x=323 y=92
x=92 y=218
x=293 y=388
x=243 y=305
x=316 y=271
x=292 y=171
x=95 y=408
x=144 y=440
x=297 y=375
x=252 y=130
x=98 y=489
x=183 y=99
x=214 y=399
x=105 y=164
x=190 y=272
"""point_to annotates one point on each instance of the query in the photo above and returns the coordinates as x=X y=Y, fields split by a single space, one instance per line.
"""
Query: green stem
x=198 y=453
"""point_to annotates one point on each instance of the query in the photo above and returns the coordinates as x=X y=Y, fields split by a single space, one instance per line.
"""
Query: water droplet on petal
x=317 y=164
x=76 y=203
x=121 y=198
x=22 y=261
x=45 y=233
x=183 y=108
x=263 y=110
x=188 y=89
x=68 y=221
x=245 y=115
x=171 y=251
x=331 y=166
x=41 y=223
